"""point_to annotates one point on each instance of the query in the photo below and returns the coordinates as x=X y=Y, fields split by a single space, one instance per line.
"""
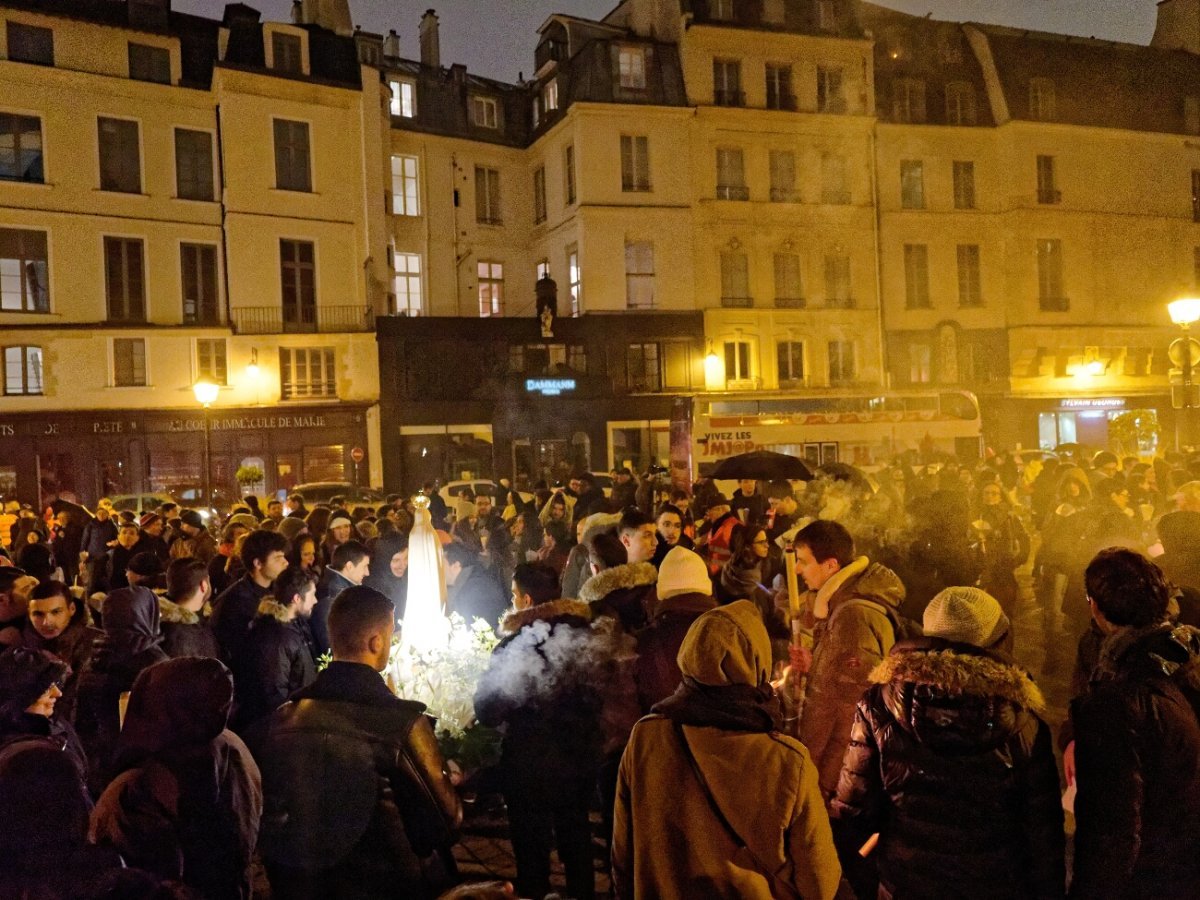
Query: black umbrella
x=840 y=471
x=763 y=465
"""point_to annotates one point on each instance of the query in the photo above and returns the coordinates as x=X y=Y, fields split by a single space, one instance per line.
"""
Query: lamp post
x=1184 y=313
x=206 y=392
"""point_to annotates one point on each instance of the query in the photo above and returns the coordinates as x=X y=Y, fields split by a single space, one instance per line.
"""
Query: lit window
x=406 y=191
x=550 y=95
x=632 y=64
x=21 y=148
x=24 y=271
x=737 y=361
x=307 y=373
x=491 y=288
x=574 y=280
x=406 y=283
x=403 y=98
x=22 y=371
x=639 y=275
x=129 y=362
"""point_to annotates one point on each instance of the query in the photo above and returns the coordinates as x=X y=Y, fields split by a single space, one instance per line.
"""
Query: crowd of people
x=180 y=700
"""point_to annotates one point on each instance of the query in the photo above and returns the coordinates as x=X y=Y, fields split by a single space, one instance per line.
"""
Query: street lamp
x=206 y=393
x=1184 y=313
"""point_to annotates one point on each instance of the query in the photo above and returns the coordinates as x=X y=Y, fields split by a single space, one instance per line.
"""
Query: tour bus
x=865 y=430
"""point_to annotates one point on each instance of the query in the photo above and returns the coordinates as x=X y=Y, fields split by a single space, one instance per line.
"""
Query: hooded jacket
x=950 y=764
x=276 y=662
x=187 y=633
x=131 y=642
x=1137 y=756
x=856 y=611
x=668 y=840
x=626 y=592
x=476 y=594
x=233 y=611
x=188 y=799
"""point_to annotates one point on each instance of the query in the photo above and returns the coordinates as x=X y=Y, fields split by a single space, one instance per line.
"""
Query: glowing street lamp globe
x=206 y=392
x=1185 y=312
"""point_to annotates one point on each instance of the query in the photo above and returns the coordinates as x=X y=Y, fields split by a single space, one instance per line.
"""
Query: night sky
x=496 y=38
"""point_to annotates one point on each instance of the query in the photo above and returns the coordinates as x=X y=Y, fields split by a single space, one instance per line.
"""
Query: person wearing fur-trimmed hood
x=545 y=685
x=950 y=764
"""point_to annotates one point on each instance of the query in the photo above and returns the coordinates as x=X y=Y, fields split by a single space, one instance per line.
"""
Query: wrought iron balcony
x=790 y=303
x=737 y=302
x=305 y=320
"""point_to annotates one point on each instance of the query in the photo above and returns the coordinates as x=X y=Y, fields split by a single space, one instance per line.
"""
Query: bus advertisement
x=863 y=430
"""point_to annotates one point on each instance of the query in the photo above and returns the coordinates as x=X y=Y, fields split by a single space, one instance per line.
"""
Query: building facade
x=176 y=206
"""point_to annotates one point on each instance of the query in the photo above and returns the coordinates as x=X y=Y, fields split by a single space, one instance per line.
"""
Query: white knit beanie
x=965 y=615
x=683 y=572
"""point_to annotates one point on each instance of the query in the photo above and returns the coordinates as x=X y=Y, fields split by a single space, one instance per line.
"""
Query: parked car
x=452 y=490
x=321 y=492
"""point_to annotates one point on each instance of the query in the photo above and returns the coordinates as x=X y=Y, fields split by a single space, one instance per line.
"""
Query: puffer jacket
x=863 y=600
x=276 y=662
x=657 y=672
x=1137 y=757
x=950 y=764
x=627 y=592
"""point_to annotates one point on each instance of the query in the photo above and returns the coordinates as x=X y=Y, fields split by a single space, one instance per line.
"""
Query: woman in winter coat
x=1002 y=545
x=31 y=683
x=742 y=579
x=688 y=822
x=187 y=802
x=950 y=765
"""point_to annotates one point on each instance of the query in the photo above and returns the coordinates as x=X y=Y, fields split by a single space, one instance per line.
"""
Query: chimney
x=431 y=49
x=1178 y=26
x=332 y=15
x=391 y=44
x=297 y=12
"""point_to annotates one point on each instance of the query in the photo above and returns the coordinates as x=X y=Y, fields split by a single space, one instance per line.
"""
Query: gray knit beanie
x=965 y=615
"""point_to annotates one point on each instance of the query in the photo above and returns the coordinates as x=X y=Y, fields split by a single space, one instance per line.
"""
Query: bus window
x=960 y=406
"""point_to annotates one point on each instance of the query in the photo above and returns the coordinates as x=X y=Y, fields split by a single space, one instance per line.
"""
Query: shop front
x=1129 y=425
x=88 y=455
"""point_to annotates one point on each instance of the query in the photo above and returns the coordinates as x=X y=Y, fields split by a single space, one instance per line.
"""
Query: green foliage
x=1133 y=432
x=247 y=475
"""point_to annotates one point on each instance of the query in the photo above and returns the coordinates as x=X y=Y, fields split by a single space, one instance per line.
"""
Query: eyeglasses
x=763 y=543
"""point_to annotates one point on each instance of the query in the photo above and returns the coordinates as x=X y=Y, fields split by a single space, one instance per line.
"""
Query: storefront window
x=8 y=482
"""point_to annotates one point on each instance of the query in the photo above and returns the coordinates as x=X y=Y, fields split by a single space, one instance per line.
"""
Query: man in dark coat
x=116 y=562
x=152 y=539
x=395 y=809
x=61 y=625
x=348 y=567
x=751 y=499
x=1137 y=741
x=188 y=800
x=620 y=587
x=949 y=763
x=234 y=610
x=684 y=594
x=68 y=539
x=185 y=613
x=471 y=590
x=544 y=684
x=277 y=659
x=98 y=533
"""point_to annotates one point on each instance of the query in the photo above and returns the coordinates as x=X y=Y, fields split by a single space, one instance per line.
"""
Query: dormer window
x=403 y=97
x=148 y=63
x=721 y=10
x=631 y=62
x=1041 y=99
x=286 y=49
x=30 y=44
x=485 y=112
x=286 y=54
x=550 y=96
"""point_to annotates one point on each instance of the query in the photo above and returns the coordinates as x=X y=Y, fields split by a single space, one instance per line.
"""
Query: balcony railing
x=737 y=302
x=790 y=303
x=729 y=98
x=306 y=320
x=733 y=192
x=781 y=101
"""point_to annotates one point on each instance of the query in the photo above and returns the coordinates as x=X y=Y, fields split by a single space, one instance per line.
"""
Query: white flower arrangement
x=445 y=676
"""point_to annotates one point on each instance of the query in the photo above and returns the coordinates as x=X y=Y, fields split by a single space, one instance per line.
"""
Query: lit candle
x=792 y=584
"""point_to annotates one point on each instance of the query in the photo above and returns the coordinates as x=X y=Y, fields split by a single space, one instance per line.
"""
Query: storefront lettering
x=1092 y=403
x=250 y=423
x=8 y=431
x=549 y=387
x=108 y=428
x=51 y=428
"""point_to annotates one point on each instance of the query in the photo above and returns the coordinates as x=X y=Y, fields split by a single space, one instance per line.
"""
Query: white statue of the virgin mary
x=425 y=625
